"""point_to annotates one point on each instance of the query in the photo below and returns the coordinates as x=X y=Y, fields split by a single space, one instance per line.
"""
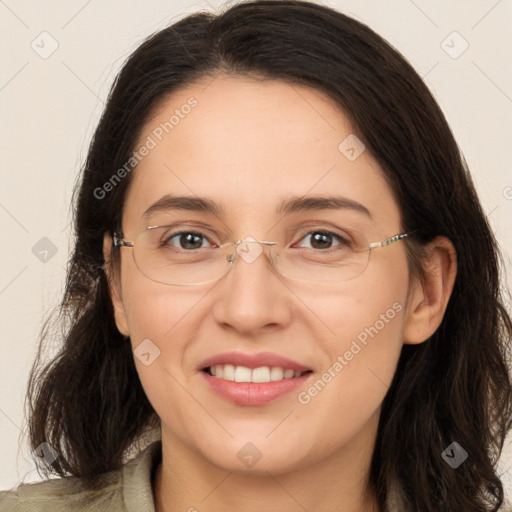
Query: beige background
x=49 y=107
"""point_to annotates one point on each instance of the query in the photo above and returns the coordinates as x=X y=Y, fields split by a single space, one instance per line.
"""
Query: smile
x=245 y=386
x=257 y=375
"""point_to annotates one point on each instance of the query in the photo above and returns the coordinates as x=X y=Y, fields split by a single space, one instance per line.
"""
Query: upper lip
x=252 y=361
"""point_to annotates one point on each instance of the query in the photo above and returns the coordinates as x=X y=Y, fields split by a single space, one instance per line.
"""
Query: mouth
x=253 y=379
x=258 y=386
x=259 y=375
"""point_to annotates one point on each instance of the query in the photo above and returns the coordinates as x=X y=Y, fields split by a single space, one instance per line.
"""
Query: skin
x=248 y=145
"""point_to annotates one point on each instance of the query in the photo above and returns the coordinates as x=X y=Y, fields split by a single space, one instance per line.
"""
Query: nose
x=251 y=297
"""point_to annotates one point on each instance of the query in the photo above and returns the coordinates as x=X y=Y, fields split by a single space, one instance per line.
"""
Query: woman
x=284 y=293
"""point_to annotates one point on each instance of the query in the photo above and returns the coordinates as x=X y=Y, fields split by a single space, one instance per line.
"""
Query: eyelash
x=339 y=238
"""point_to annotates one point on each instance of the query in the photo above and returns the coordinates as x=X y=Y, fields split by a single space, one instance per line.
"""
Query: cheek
x=366 y=321
x=153 y=310
x=367 y=309
x=160 y=313
x=159 y=318
x=368 y=346
x=162 y=323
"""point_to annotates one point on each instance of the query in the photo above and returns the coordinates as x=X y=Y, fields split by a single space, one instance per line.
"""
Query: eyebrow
x=313 y=203
x=294 y=205
x=188 y=203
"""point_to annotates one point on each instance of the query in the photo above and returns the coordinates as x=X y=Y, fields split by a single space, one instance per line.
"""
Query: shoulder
x=124 y=490
x=61 y=494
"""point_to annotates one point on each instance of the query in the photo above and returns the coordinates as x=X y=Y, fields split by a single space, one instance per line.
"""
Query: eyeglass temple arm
x=389 y=240
x=118 y=241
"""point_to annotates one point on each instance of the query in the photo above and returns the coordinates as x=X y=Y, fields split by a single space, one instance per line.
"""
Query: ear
x=114 y=287
x=428 y=300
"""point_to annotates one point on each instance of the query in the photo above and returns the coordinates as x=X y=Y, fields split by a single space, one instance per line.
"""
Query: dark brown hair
x=88 y=403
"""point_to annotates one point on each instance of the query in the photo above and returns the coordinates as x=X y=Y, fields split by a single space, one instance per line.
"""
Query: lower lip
x=254 y=393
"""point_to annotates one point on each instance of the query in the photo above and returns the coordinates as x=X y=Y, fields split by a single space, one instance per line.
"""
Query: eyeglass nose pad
x=249 y=249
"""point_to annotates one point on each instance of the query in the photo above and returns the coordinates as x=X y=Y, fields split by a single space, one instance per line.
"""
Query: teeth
x=261 y=374
x=242 y=374
x=276 y=373
x=228 y=372
x=288 y=374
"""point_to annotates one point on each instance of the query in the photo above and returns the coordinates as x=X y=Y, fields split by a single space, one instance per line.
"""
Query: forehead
x=249 y=145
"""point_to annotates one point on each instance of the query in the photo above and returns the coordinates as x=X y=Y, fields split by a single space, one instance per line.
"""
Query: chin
x=256 y=458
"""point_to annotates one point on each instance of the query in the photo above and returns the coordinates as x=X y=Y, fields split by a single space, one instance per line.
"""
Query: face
x=249 y=147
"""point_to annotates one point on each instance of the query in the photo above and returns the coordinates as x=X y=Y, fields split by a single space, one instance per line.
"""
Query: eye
x=186 y=240
x=324 y=240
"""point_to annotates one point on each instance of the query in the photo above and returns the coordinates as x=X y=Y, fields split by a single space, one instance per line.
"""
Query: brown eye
x=324 y=240
x=186 y=240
